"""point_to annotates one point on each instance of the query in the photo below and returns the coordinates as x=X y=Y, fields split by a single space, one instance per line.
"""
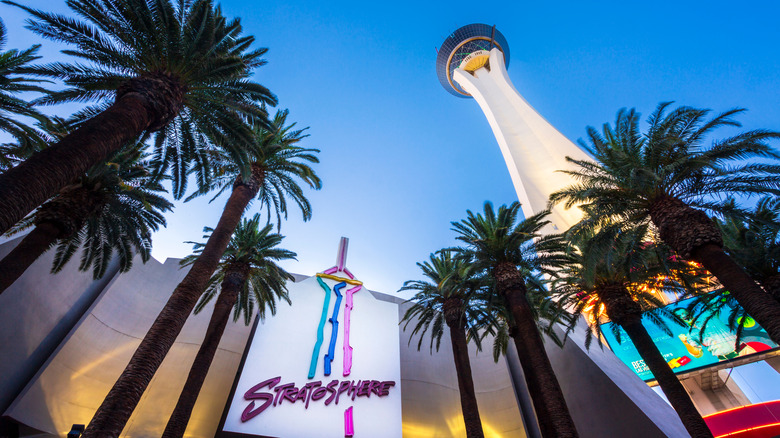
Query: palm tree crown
x=635 y=173
x=109 y=212
x=669 y=177
x=452 y=295
x=253 y=253
x=143 y=64
x=187 y=55
x=128 y=209
x=275 y=163
x=12 y=68
x=493 y=238
x=626 y=259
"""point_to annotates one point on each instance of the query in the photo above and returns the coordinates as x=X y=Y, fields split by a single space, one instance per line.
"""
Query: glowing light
x=347 y=313
x=746 y=419
x=320 y=329
x=349 y=426
x=750 y=429
x=475 y=60
x=337 y=278
x=340 y=267
x=120 y=351
x=334 y=332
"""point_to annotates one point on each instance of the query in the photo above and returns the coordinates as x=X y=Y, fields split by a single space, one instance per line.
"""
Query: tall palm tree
x=112 y=209
x=753 y=241
x=247 y=277
x=12 y=81
x=617 y=273
x=669 y=177
x=144 y=63
x=450 y=296
x=505 y=249
x=276 y=168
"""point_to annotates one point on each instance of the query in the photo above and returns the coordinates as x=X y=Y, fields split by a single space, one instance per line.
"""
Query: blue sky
x=401 y=157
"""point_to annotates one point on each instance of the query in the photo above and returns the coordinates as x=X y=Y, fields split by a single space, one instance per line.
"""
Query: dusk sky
x=401 y=157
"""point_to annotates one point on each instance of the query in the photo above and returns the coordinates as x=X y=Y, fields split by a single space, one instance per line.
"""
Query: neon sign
x=312 y=391
x=329 y=325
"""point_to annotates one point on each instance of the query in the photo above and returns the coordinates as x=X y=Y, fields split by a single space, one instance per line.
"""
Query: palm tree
x=506 y=250
x=667 y=176
x=247 y=276
x=753 y=241
x=617 y=273
x=12 y=68
x=112 y=209
x=277 y=165
x=451 y=297
x=145 y=64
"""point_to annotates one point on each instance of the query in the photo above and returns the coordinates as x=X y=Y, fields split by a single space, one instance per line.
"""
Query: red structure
x=761 y=420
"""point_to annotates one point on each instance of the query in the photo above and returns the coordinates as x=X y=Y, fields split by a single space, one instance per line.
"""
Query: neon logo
x=312 y=391
x=338 y=281
x=340 y=268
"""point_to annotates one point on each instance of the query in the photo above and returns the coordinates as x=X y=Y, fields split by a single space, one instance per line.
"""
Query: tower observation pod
x=472 y=63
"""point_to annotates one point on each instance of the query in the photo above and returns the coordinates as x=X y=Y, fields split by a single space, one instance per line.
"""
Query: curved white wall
x=606 y=399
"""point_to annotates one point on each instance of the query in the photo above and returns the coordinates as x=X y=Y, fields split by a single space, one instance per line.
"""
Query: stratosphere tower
x=472 y=63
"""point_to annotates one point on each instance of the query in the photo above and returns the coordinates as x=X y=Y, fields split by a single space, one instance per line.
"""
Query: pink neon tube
x=347 y=319
x=349 y=426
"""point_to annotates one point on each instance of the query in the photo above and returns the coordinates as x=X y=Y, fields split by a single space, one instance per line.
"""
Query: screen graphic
x=686 y=350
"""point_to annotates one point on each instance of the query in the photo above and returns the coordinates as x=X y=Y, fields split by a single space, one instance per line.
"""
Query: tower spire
x=341 y=257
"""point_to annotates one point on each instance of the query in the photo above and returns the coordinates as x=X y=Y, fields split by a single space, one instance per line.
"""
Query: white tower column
x=533 y=149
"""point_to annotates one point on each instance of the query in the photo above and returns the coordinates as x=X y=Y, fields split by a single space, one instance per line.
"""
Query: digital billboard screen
x=686 y=350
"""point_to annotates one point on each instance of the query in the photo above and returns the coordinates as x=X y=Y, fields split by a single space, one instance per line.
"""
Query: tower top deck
x=468 y=48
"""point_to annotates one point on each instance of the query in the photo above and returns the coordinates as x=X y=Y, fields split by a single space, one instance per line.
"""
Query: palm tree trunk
x=13 y=265
x=113 y=413
x=228 y=294
x=756 y=302
x=624 y=311
x=549 y=403
x=694 y=236
x=468 y=397
x=28 y=185
x=667 y=380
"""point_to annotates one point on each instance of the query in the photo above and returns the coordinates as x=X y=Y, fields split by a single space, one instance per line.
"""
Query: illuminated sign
x=285 y=386
x=685 y=350
x=311 y=391
x=751 y=421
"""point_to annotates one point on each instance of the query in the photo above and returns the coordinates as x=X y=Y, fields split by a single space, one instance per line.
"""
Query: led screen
x=685 y=350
